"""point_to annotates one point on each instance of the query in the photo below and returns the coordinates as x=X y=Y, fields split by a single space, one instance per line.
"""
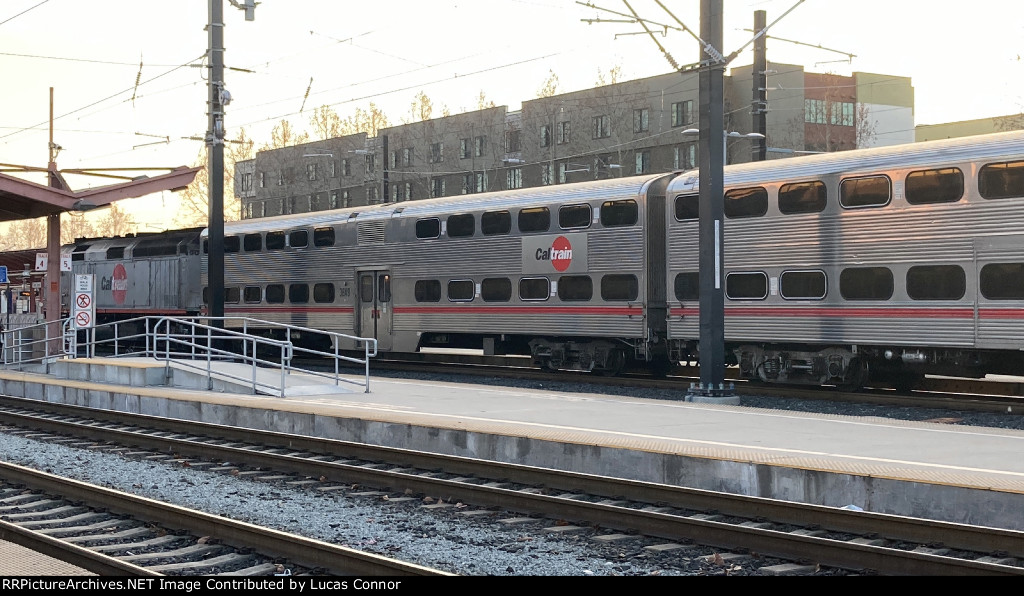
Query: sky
x=298 y=55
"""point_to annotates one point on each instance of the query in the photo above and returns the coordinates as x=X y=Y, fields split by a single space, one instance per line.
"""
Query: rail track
x=855 y=541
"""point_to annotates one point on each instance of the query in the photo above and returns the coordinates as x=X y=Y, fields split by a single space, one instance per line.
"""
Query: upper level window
x=602 y=127
x=563 y=132
x=868 y=191
x=619 y=213
x=495 y=222
x=574 y=216
x=298 y=239
x=1002 y=180
x=460 y=226
x=464 y=148
x=428 y=228
x=545 y=135
x=802 y=197
x=252 y=242
x=746 y=202
x=512 y=142
x=687 y=207
x=935 y=186
x=534 y=219
x=323 y=237
x=436 y=152
x=275 y=240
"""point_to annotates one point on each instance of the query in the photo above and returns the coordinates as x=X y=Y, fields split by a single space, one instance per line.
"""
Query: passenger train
x=885 y=264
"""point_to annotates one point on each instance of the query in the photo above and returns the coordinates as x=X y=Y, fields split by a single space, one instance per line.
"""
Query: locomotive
x=885 y=263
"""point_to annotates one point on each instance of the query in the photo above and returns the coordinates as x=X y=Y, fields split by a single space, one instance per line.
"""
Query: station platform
x=923 y=469
x=18 y=561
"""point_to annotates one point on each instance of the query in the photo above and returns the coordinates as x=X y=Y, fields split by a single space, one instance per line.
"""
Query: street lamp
x=726 y=135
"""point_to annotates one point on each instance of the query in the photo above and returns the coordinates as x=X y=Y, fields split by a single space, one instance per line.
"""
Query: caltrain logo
x=560 y=254
x=119 y=285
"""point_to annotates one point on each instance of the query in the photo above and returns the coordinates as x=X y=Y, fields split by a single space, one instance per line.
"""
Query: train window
x=275 y=294
x=428 y=228
x=493 y=223
x=496 y=289
x=460 y=290
x=384 y=287
x=323 y=236
x=619 y=213
x=619 y=287
x=746 y=202
x=534 y=219
x=866 y=283
x=252 y=294
x=298 y=293
x=231 y=295
x=575 y=288
x=79 y=253
x=1002 y=180
x=936 y=282
x=231 y=244
x=252 y=242
x=461 y=226
x=117 y=252
x=869 y=191
x=428 y=290
x=366 y=288
x=802 y=197
x=275 y=240
x=206 y=294
x=1003 y=281
x=323 y=293
x=298 y=239
x=534 y=288
x=935 y=186
x=687 y=207
x=574 y=216
x=803 y=285
x=746 y=286
x=688 y=286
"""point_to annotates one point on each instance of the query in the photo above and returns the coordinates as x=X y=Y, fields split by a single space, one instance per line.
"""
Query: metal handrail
x=20 y=347
x=165 y=337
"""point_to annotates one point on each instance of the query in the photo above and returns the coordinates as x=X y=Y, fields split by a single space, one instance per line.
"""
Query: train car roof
x=1006 y=145
x=561 y=193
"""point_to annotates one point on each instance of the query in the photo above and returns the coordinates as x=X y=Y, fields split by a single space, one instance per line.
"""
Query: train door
x=375 y=306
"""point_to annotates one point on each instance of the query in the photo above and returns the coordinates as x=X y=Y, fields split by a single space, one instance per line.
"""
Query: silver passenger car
x=561 y=273
x=893 y=261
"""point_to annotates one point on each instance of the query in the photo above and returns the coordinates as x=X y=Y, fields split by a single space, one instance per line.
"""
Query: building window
x=346 y=168
x=346 y=199
x=643 y=162
x=641 y=120
x=545 y=135
x=479 y=144
x=514 y=178
x=401 y=191
x=561 y=172
x=311 y=171
x=682 y=113
x=820 y=111
x=602 y=127
x=436 y=152
x=468 y=183
x=512 y=144
x=262 y=177
x=334 y=168
x=436 y=187
x=464 y=148
x=371 y=195
x=246 y=182
x=407 y=156
x=371 y=163
x=685 y=157
x=481 y=181
x=547 y=173
x=563 y=132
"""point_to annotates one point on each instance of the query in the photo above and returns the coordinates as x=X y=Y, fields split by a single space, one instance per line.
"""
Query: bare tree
x=325 y=123
x=194 y=209
x=422 y=108
x=116 y=222
x=614 y=76
x=369 y=121
x=550 y=85
x=74 y=226
x=284 y=135
x=482 y=103
x=25 y=234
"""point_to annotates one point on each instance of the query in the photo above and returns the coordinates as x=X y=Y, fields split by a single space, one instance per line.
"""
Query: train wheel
x=614 y=365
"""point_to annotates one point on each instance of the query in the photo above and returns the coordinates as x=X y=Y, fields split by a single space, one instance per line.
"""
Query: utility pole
x=759 y=107
x=51 y=287
x=712 y=387
x=218 y=99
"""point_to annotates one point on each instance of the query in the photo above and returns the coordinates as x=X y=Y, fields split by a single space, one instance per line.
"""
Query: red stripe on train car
x=831 y=312
x=520 y=310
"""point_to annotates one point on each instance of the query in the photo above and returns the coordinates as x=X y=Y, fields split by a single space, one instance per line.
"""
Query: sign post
x=83 y=305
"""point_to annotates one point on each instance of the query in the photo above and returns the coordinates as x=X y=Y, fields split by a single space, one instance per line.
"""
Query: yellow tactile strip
x=331 y=407
x=18 y=561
